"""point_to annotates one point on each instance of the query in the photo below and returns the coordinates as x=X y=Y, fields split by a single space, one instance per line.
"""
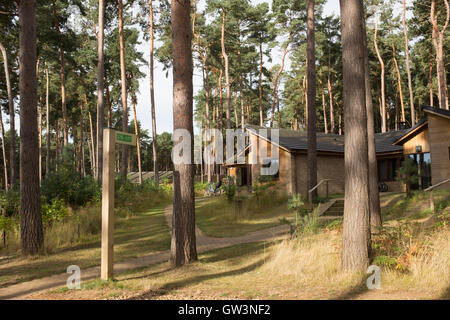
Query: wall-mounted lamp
x=418 y=149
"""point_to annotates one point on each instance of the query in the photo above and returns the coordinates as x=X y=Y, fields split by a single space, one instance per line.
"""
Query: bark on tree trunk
x=325 y=122
x=10 y=101
x=399 y=81
x=93 y=162
x=5 y=168
x=47 y=122
x=430 y=80
x=152 y=97
x=39 y=122
x=98 y=166
x=56 y=144
x=311 y=99
x=330 y=94
x=108 y=101
x=261 y=116
x=183 y=245
x=63 y=78
x=383 y=96
x=438 y=41
x=83 y=168
x=374 y=195
x=12 y=147
x=32 y=235
x=220 y=110
x=227 y=72
x=123 y=80
x=408 y=67
x=356 y=234
x=136 y=132
x=275 y=81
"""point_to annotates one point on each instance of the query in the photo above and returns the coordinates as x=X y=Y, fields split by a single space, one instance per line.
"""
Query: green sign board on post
x=110 y=138
x=125 y=138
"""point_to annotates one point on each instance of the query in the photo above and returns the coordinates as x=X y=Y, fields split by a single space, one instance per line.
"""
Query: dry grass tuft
x=311 y=261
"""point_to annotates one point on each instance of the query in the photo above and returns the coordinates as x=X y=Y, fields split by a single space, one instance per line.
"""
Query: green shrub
x=199 y=188
x=56 y=210
x=9 y=203
x=68 y=185
x=230 y=191
x=407 y=174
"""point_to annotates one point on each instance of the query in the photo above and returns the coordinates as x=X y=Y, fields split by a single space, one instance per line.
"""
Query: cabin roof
x=437 y=111
x=292 y=140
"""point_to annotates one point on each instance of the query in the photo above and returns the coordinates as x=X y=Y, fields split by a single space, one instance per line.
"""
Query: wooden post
x=108 y=204
x=310 y=200
x=432 y=201
x=327 y=188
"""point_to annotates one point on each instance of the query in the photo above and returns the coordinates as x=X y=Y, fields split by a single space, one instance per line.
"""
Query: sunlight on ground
x=139 y=234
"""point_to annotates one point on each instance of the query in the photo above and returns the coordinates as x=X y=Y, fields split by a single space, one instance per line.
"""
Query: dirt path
x=204 y=243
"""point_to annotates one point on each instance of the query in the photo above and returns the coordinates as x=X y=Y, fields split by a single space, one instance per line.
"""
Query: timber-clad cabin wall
x=431 y=136
x=439 y=134
x=293 y=163
x=421 y=139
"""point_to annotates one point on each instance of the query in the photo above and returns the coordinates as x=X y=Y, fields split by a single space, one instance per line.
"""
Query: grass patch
x=219 y=217
x=415 y=206
x=301 y=268
x=134 y=235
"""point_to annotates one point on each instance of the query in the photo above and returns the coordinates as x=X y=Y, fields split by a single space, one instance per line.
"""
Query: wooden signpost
x=110 y=138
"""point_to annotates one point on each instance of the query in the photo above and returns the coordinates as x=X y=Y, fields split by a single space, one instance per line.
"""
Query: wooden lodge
x=428 y=143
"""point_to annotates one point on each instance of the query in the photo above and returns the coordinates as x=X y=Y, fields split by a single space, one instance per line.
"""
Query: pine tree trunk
x=5 y=168
x=183 y=245
x=83 y=168
x=56 y=144
x=152 y=97
x=136 y=132
x=39 y=122
x=383 y=96
x=430 y=80
x=408 y=67
x=311 y=99
x=93 y=158
x=275 y=82
x=227 y=72
x=220 y=109
x=325 y=122
x=123 y=80
x=47 y=122
x=374 y=195
x=98 y=166
x=399 y=81
x=438 y=41
x=108 y=101
x=12 y=148
x=11 y=103
x=32 y=236
x=62 y=75
x=261 y=115
x=356 y=234
x=330 y=95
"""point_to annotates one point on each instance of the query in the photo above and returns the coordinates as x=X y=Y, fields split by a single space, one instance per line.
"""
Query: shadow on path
x=168 y=287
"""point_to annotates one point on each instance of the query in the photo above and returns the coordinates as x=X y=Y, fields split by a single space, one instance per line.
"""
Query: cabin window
x=387 y=169
x=275 y=163
x=423 y=161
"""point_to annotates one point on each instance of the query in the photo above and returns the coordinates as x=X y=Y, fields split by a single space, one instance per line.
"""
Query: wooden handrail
x=437 y=185
x=314 y=188
x=430 y=190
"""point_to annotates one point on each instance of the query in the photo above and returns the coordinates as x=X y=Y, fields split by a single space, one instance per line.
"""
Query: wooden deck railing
x=314 y=188
x=430 y=189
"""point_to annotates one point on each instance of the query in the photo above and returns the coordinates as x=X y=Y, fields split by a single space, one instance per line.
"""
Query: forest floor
x=135 y=236
x=265 y=265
